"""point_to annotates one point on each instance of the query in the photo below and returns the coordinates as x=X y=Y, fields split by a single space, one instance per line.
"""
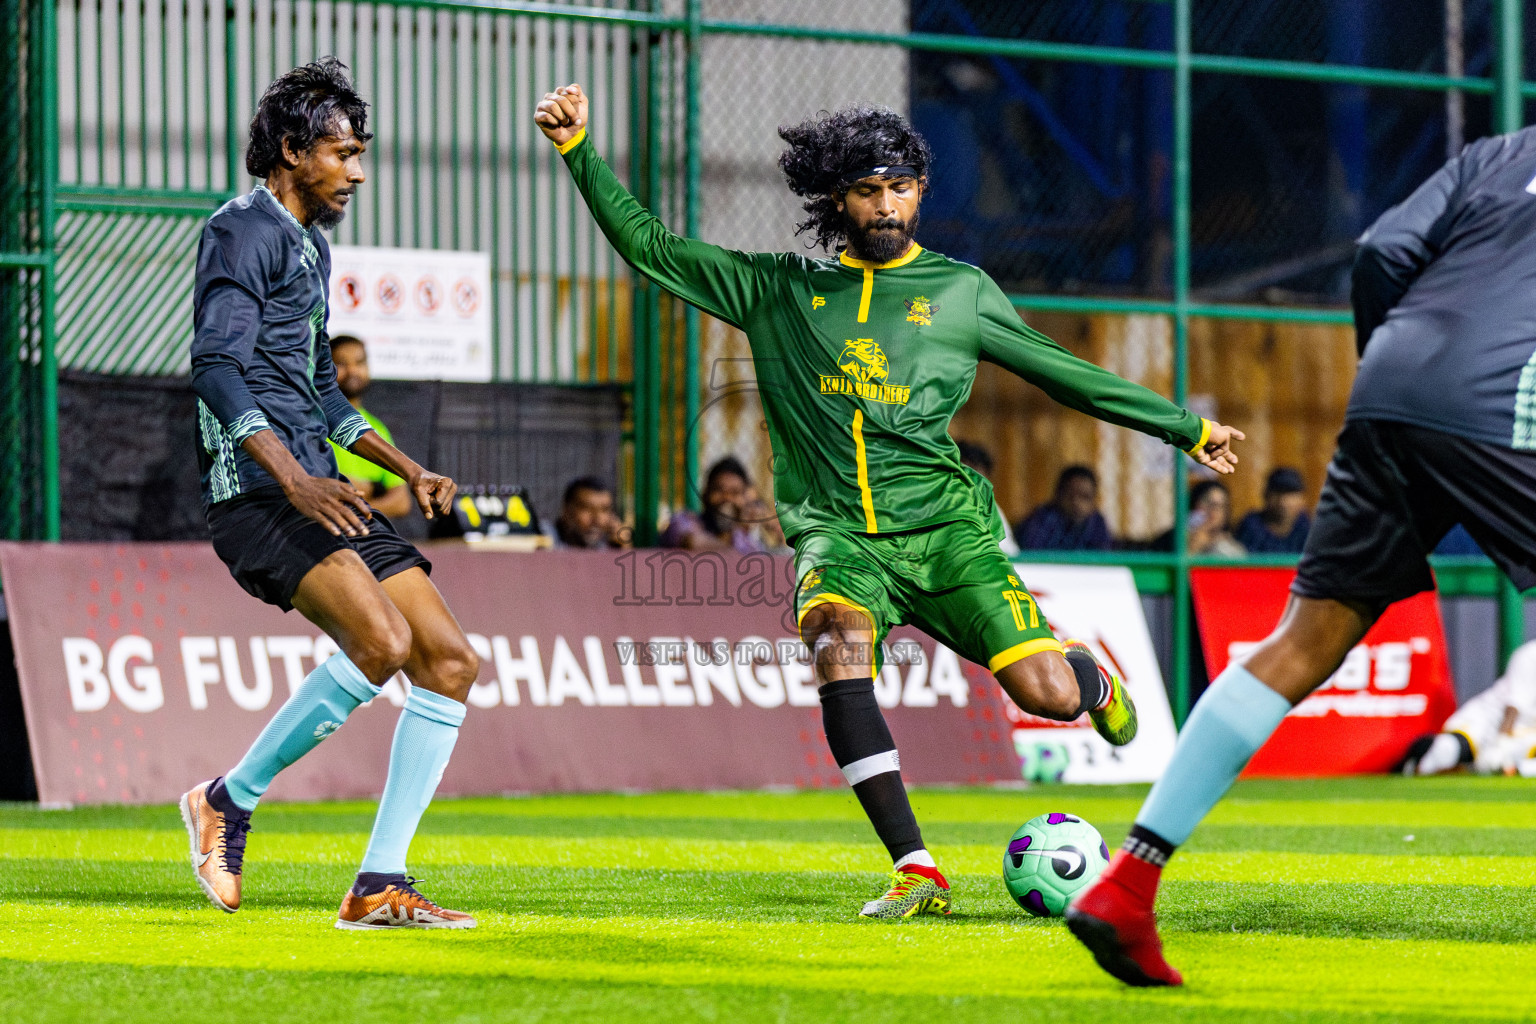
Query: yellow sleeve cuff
x=574 y=141
x=1205 y=435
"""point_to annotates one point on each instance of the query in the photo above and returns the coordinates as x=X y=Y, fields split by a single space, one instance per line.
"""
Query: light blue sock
x=317 y=708
x=424 y=739
x=1229 y=724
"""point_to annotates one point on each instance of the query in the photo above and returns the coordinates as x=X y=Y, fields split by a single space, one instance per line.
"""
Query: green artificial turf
x=1360 y=900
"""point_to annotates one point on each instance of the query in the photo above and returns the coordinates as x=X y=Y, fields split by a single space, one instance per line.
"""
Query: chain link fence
x=1056 y=127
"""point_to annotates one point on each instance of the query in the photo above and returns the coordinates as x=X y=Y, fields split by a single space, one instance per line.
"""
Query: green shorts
x=952 y=581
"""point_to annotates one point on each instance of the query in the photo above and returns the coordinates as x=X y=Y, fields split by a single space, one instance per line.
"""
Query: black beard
x=322 y=214
x=882 y=246
x=327 y=217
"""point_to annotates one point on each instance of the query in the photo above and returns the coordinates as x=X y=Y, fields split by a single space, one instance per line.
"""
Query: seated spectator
x=978 y=458
x=381 y=488
x=1070 y=521
x=1281 y=525
x=722 y=525
x=587 y=518
x=1208 y=528
x=1493 y=733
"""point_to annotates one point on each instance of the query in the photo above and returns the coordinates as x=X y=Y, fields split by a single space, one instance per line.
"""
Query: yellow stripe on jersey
x=821 y=599
x=1205 y=436
x=911 y=254
x=571 y=143
x=861 y=459
x=869 y=289
x=1018 y=652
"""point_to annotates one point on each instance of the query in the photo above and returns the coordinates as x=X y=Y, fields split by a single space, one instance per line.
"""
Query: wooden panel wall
x=1285 y=385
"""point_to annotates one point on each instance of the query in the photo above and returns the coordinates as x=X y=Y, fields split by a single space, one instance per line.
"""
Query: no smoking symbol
x=349 y=292
x=429 y=295
x=391 y=293
x=466 y=297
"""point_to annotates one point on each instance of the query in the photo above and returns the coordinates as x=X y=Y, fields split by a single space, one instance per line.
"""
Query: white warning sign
x=425 y=314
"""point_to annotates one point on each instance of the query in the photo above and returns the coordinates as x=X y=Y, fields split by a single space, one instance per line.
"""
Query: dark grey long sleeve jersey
x=260 y=357
x=1443 y=295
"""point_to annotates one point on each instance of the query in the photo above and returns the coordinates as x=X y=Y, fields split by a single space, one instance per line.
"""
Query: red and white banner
x=1392 y=688
x=145 y=669
x=1099 y=606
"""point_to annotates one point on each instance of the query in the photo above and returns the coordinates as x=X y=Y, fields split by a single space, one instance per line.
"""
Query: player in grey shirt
x=290 y=529
x=1440 y=430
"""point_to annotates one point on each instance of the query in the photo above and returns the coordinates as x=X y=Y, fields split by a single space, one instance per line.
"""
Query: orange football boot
x=398 y=906
x=218 y=847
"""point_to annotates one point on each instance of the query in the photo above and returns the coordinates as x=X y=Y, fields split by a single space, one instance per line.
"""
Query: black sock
x=1092 y=687
x=1144 y=844
x=859 y=739
x=370 y=882
x=220 y=800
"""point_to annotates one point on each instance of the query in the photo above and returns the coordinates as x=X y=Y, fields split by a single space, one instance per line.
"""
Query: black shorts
x=1393 y=491
x=269 y=545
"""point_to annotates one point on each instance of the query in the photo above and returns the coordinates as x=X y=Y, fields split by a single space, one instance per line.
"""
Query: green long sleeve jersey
x=861 y=366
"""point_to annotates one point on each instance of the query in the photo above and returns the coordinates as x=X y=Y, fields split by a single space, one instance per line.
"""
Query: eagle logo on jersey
x=865 y=370
x=863 y=361
x=811 y=582
x=920 y=311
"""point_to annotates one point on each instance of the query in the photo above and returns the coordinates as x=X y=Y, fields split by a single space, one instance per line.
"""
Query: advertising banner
x=1099 y=606
x=425 y=314
x=1393 y=687
x=145 y=669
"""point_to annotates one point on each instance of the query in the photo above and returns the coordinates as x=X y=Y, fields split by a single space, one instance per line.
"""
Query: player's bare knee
x=1043 y=686
x=1059 y=693
x=455 y=671
x=382 y=650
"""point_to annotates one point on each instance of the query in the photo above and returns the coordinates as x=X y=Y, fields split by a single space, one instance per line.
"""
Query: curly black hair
x=303 y=106
x=825 y=149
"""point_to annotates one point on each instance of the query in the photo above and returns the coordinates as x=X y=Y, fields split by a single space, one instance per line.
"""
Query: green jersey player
x=861 y=362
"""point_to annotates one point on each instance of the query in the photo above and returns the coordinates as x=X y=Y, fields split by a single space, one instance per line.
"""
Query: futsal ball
x=1041 y=761
x=1050 y=859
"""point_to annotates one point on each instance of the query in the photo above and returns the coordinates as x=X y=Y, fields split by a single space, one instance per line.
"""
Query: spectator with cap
x=1071 y=520
x=379 y=487
x=1281 y=526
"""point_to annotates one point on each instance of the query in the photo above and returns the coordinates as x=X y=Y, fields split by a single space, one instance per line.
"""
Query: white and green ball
x=1050 y=859
x=1041 y=761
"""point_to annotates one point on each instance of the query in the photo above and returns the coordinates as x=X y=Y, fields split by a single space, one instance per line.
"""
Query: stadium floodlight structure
x=120 y=132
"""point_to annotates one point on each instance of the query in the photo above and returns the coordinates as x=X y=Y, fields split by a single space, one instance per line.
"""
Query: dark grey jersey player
x=292 y=531
x=1440 y=430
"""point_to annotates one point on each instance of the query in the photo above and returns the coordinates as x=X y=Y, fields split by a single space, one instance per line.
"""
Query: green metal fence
x=123 y=126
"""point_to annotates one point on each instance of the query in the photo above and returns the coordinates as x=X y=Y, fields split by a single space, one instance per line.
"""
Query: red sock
x=1137 y=877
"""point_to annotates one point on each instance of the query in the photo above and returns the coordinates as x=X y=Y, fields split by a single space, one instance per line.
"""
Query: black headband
x=880 y=171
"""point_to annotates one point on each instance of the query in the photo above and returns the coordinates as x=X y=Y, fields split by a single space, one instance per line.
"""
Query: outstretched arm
x=722 y=282
x=1079 y=384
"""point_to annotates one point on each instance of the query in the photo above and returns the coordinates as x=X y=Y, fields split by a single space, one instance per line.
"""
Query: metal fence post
x=48 y=136
x=1183 y=631
x=691 y=145
x=645 y=142
x=1509 y=104
x=1509 y=116
x=233 y=163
